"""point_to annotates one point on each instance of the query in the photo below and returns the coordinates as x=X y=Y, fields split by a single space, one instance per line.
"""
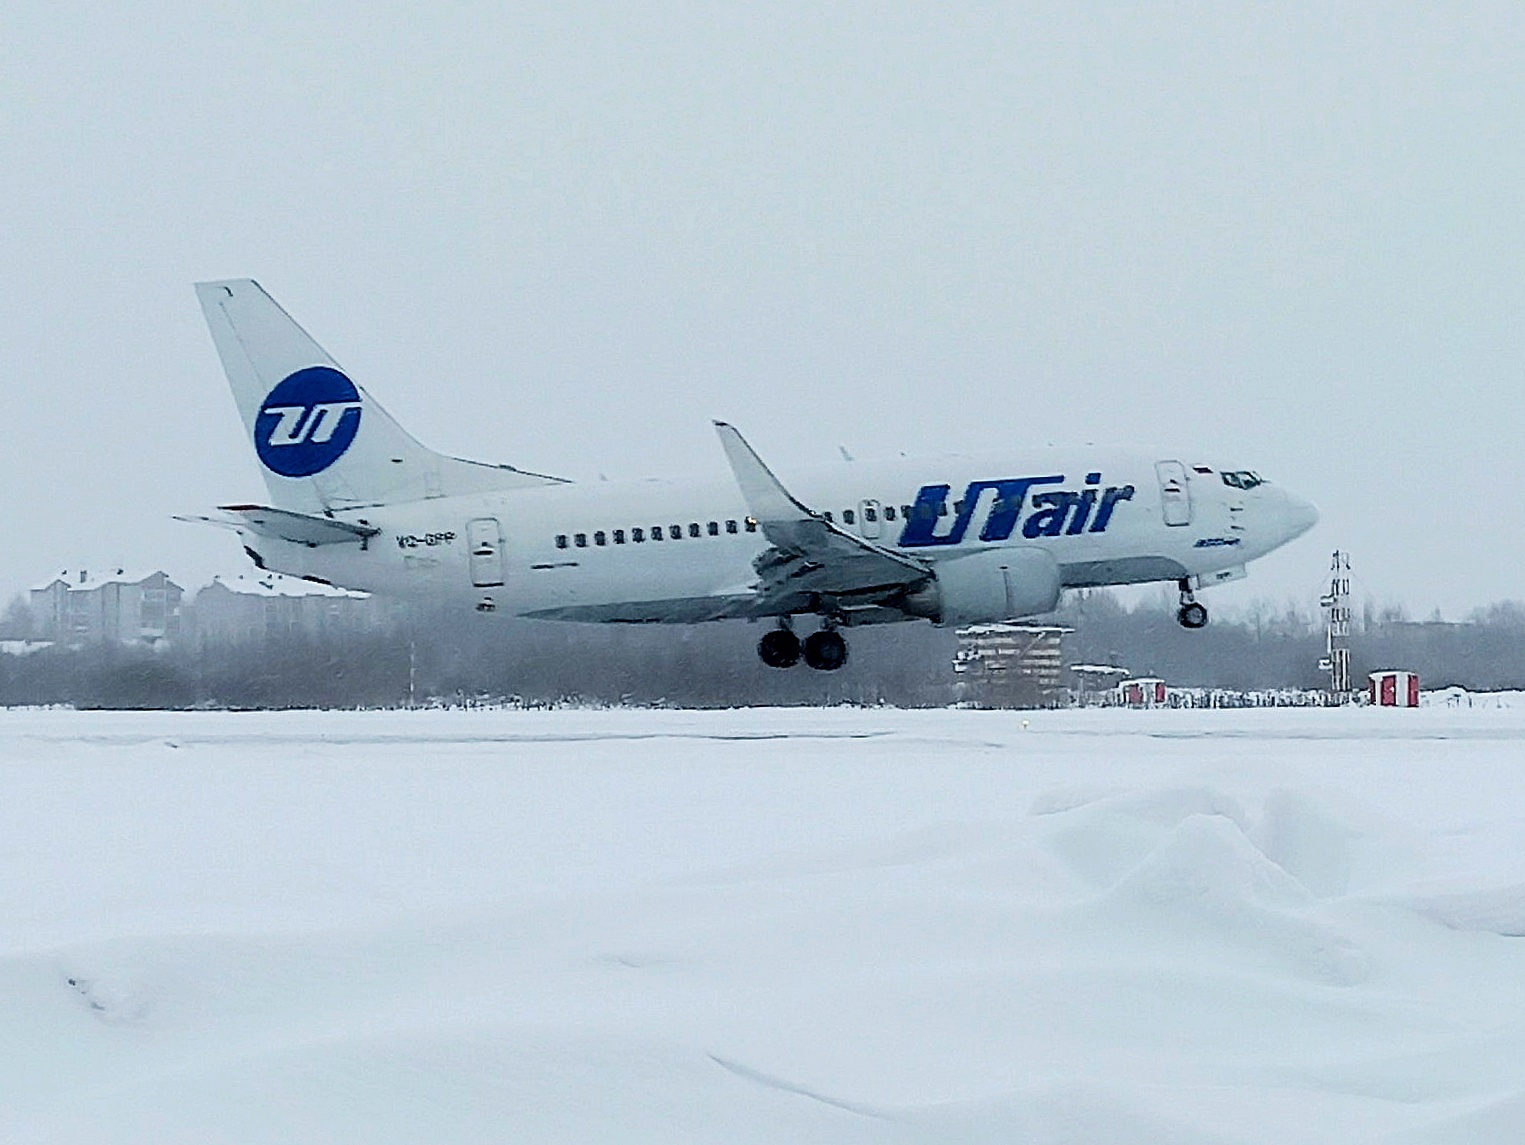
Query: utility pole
x=1336 y=605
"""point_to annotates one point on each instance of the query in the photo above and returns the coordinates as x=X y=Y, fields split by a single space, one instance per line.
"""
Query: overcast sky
x=566 y=236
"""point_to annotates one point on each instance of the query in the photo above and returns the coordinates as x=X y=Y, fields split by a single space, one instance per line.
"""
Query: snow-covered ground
x=1164 y=927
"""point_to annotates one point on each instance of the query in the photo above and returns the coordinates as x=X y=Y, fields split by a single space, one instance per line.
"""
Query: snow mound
x=1307 y=843
x=1500 y=911
x=1494 y=1123
x=1060 y=1114
x=1208 y=861
x=1209 y=879
x=1201 y=928
x=1103 y=839
x=112 y=983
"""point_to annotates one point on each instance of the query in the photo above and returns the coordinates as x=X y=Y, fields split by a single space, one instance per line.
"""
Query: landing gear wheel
x=825 y=651
x=779 y=649
x=1192 y=615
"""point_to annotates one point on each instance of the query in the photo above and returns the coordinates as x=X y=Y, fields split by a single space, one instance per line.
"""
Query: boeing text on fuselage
x=846 y=545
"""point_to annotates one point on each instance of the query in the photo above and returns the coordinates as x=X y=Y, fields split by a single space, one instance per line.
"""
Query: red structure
x=1395 y=689
x=1145 y=692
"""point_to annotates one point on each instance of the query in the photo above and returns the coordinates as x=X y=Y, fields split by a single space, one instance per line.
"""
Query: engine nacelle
x=990 y=586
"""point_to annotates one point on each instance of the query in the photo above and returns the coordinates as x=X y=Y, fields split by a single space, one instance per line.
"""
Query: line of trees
x=432 y=656
x=1267 y=647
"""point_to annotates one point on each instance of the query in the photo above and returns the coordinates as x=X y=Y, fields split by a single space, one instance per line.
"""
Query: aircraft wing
x=810 y=556
x=285 y=525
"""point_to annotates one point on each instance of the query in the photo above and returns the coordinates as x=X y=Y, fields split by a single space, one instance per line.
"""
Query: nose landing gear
x=825 y=651
x=1191 y=614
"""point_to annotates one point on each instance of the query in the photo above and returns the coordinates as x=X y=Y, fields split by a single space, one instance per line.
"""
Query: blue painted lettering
x=1109 y=501
x=1050 y=511
x=1055 y=512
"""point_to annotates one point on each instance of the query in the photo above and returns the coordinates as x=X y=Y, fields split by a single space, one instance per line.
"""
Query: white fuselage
x=589 y=551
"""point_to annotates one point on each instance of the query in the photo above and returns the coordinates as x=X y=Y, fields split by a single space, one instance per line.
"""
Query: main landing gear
x=1191 y=614
x=825 y=651
x=779 y=648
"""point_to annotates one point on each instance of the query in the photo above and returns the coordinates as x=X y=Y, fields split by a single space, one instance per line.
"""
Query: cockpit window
x=1242 y=479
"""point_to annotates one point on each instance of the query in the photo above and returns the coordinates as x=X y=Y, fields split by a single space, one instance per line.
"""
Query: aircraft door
x=869 y=515
x=1175 y=492
x=484 y=544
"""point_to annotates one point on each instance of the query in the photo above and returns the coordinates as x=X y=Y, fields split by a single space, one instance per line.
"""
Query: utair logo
x=1055 y=512
x=307 y=422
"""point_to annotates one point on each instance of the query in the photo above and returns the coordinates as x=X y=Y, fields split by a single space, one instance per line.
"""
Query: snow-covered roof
x=23 y=647
x=1003 y=629
x=275 y=585
x=84 y=580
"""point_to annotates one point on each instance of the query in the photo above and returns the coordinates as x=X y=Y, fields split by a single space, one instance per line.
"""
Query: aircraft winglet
x=810 y=554
x=765 y=494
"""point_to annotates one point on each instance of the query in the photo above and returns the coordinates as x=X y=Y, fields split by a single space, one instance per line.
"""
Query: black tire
x=1192 y=615
x=779 y=649
x=825 y=651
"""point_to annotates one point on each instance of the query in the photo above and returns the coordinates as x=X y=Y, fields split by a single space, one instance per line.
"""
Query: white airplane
x=356 y=501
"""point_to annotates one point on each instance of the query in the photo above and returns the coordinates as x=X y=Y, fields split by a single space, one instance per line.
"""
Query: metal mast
x=1336 y=604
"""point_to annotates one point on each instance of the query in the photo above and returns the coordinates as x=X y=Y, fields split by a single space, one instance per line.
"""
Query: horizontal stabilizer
x=284 y=525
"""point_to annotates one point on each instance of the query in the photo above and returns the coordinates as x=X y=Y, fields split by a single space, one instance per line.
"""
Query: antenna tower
x=1336 y=605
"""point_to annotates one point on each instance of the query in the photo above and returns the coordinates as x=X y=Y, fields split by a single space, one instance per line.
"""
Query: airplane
x=356 y=501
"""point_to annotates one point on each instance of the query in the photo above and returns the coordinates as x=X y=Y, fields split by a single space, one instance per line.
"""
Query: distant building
x=1010 y=665
x=1143 y=692
x=1394 y=689
x=120 y=608
x=23 y=647
x=242 y=608
x=1095 y=682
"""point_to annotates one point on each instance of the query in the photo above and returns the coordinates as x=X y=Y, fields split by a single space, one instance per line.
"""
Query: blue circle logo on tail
x=307 y=422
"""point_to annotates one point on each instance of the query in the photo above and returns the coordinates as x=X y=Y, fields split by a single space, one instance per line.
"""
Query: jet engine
x=985 y=587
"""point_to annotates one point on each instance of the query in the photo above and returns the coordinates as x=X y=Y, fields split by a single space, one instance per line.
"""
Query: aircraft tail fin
x=323 y=442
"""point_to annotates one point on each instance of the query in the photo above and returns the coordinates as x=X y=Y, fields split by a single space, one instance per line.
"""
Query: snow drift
x=840 y=926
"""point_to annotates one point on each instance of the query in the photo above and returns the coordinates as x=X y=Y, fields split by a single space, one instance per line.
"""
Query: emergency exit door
x=484 y=542
x=1175 y=492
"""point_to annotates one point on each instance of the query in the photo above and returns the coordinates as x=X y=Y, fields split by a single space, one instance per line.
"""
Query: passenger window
x=905 y=511
x=638 y=535
x=849 y=517
x=942 y=509
x=656 y=532
x=599 y=538
x=889 y=512
x=730 y=526
x=675 y=532
x=870 y=513
x=581 y=540
x=619 y=536
x=751 y=524
x=828 y=515
x=714 y=528
x=561 y=540
x=693 y=528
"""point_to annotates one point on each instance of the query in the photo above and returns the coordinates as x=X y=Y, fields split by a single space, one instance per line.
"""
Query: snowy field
x=763 y=926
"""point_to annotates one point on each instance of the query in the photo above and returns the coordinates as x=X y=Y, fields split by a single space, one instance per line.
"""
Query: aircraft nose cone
x=1301 y=516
